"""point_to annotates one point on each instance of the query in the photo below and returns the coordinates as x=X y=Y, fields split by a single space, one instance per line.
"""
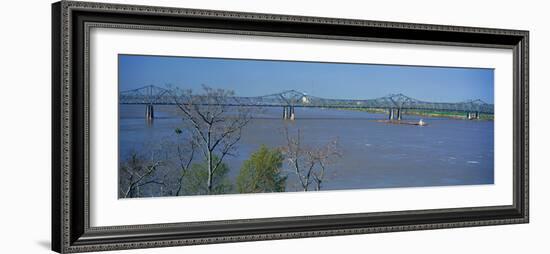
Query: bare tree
x=180 y=151
x=295 y=156
x=137 y=172
x=322 y=157
x=185 y=154
x=216 y=124
x=309 y=163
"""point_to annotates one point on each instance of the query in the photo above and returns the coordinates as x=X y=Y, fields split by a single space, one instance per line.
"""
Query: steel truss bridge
x=395 y=104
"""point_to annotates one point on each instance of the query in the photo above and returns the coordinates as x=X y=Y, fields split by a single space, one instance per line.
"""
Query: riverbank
x=426 y=113
x=447 y=114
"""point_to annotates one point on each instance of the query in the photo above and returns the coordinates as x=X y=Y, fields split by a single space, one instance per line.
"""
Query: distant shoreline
x=427 y=113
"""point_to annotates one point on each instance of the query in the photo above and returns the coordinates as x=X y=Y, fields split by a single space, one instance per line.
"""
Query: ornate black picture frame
x=71 y=230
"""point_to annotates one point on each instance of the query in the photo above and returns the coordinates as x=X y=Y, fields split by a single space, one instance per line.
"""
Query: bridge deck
x=161 y=96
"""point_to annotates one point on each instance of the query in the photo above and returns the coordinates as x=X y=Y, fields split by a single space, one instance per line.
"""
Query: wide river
x=375 y=154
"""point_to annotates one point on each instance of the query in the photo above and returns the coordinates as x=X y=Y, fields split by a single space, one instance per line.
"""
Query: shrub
x=262 y=172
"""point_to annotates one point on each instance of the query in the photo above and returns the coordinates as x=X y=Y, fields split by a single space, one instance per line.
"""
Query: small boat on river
x=422 y=123
x=419 y=123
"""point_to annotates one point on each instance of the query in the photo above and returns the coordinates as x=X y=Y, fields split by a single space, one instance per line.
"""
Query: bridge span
x=395 y=105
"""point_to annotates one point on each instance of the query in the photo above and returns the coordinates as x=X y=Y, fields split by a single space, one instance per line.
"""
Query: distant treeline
x=429 y=113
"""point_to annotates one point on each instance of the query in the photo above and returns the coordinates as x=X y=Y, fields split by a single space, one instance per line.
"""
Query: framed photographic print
x=181 y=126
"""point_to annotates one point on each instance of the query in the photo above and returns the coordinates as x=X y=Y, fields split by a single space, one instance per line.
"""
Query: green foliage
x=195 y=179
x=262 y=172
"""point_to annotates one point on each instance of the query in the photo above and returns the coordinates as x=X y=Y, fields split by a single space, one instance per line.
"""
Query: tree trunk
x=209 y=183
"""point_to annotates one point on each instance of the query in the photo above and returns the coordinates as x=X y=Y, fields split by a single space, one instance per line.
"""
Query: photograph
x=206 y=126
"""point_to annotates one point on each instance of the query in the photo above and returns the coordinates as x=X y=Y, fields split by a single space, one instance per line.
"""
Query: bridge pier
x=472 y=115
x=395 y=113
x=149 y=112
x=288 y=113
x=399 y=114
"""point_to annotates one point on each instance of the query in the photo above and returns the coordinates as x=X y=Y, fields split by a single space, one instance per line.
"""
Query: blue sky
x=328 y=80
